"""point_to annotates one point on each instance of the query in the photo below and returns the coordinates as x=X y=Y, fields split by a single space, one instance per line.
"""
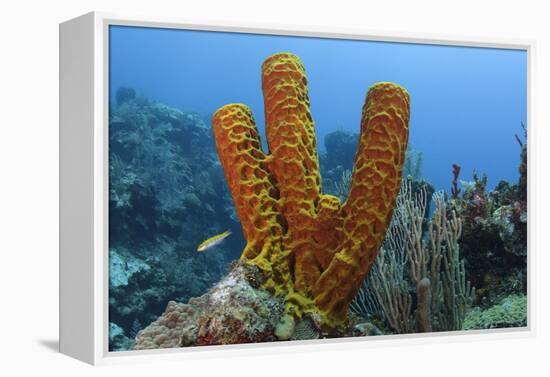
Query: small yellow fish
x=213 y=241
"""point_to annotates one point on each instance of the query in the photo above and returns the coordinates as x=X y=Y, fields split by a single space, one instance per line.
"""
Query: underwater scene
x=267 y=188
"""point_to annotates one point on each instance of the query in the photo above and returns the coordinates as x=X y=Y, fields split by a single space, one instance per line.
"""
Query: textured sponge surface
x=313 y=249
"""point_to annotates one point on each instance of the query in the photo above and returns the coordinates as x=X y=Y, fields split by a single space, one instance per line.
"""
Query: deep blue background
x=466 y=103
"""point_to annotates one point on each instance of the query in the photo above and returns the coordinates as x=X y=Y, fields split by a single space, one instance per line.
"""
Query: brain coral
x=313 y=250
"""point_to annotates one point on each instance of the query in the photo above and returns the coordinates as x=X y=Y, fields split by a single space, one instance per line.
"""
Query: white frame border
x=102 y=21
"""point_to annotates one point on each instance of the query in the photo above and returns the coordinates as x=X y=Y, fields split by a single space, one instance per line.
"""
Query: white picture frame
x=84 y=76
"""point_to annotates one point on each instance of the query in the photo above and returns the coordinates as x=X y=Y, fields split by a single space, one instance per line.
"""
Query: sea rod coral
x=314 y=250
x=427 y=262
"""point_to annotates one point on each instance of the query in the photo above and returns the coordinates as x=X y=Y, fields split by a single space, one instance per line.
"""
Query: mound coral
x=176 y=327
x=232 y=311
x=313 y=250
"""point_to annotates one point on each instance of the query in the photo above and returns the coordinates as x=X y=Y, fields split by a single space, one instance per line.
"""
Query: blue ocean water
x=466 y=103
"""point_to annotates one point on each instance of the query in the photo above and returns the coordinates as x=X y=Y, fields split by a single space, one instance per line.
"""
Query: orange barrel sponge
x=313 y=250
x=375 y=184
x=254 y=195
x=293 y=159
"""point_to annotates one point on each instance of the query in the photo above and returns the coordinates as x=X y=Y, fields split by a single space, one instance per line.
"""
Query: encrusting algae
x=313 y=250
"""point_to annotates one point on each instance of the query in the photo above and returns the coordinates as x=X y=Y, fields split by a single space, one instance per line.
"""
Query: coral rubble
x=313 y=250
x=360 y=253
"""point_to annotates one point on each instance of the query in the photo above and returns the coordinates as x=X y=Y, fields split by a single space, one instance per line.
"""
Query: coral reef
x=167 y=194
x=361 y=252
x=313 y=250
x=121 y=269
x=420 y=263
x=236 y=310
x=124 y=95
x=494 y=235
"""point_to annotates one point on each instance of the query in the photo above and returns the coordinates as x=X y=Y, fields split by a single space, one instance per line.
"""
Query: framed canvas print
x=230 y=186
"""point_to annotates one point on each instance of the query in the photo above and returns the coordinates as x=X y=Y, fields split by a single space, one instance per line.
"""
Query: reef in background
x=167 y=194
x=494 y=241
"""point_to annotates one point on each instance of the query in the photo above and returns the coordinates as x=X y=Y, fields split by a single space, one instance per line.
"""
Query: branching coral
x=435 y=269
x=390 y=288
x=342 y=187
x=494 y=234
x=313 y=250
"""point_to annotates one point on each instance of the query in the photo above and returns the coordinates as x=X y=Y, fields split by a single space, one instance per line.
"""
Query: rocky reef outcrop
x=235 y=310
x=494 y=237
x=166 y=195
